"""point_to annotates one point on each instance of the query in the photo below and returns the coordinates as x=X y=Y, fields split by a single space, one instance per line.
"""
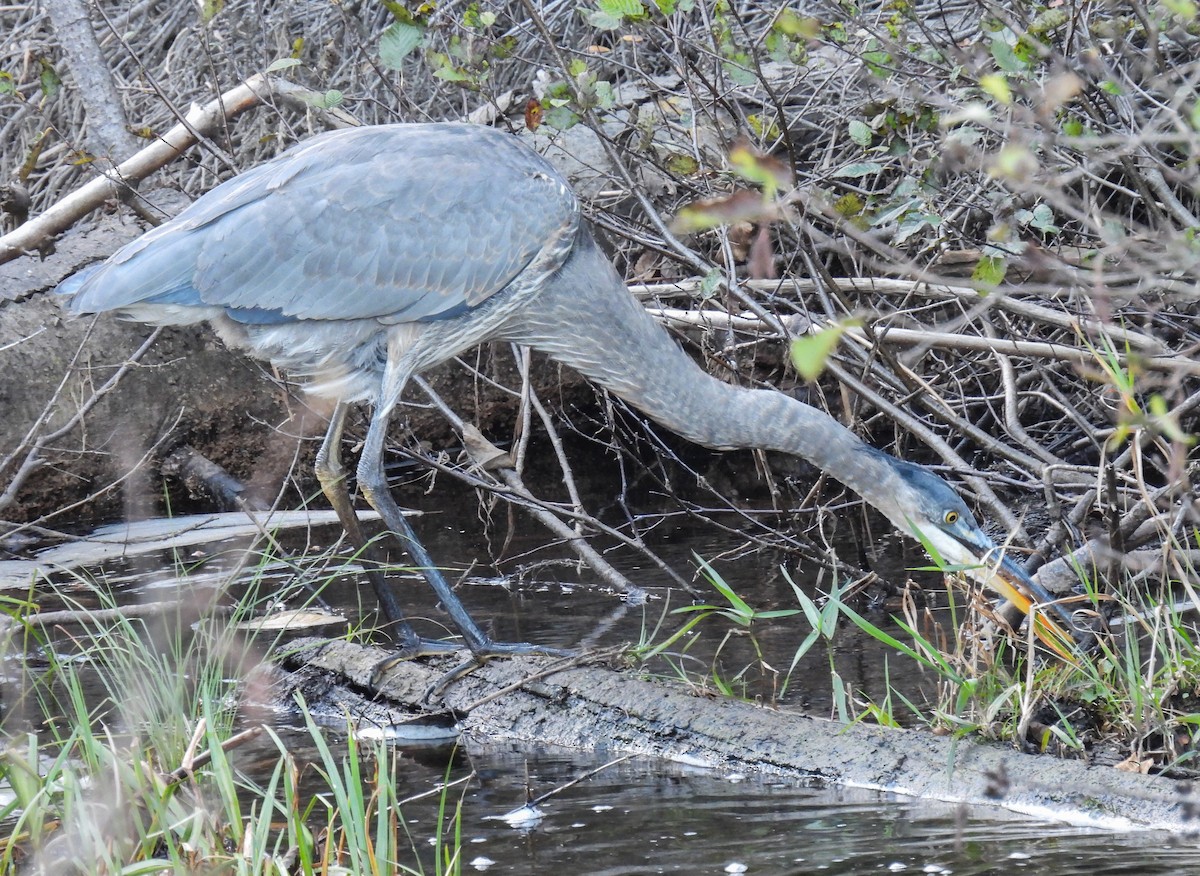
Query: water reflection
x=643 y=816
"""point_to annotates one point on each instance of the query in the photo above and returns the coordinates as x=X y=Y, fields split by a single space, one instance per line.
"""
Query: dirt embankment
x=188 y=389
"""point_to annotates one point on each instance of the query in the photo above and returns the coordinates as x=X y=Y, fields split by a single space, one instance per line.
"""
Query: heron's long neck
x=587 y=319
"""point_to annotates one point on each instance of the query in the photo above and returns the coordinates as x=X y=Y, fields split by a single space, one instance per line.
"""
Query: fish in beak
x=965 y=544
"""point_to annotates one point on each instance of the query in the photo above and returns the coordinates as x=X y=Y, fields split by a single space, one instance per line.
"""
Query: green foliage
x=996 y=85
x=849 y=205
x=737 y=63
x=210 y=9
x=858 y=170
x=735 y=611
x=811 y=352
x=989 y=271
x=105 y=775
x=398 y=42
x=1040 y=218
x=282 y=64
x=861 y=133
x=615 y=14
x=878 y=62
x=48 y=78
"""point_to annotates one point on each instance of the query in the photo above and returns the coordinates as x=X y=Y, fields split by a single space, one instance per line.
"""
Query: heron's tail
x=74 y=283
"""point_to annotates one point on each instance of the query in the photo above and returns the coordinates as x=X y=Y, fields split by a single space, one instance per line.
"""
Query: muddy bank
x=187 y=390
x=599 y=708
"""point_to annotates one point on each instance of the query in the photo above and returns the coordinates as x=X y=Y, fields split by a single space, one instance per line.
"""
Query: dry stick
x=568 y=477
x=38 y=525
x=33 y=459
x=107 y=127
x=436 y=791
x=553 y=669
x=922 y=337
x=1012 y=419
x=513 y=480
x=683 y=253
x=884 y=285
x=542 y=798
x=34 y=233
x=104 y=615
x=191 y=764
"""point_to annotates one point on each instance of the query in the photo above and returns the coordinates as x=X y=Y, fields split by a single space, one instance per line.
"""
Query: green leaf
x=603 y=21
x=759 y=169
x=397 y=43
x=859 y=170
x=990 y=270
x=622 y=8
x=794 y=25
x=878 y=63
x=48 y=79
x=605 y=97
x=894 y=211
x=1043 y=219
x=848 y=205
x=968 y=135
x=612 y=14
x=914 y=223
x=450 y=73
x=712 y=281
x=210 y=9
x=861 y=133
x=682 y=164
x=282 y=64
x=996 y=84
x=473 y=18
x=1013 y=161
x=740 y=70
x=1006 y=58
x=810 y=353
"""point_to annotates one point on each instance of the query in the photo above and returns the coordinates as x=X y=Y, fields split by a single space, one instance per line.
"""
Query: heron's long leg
x=332 y=476
x=373 y=482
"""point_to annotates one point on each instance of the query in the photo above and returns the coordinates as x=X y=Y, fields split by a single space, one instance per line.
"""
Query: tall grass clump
x=127 y=762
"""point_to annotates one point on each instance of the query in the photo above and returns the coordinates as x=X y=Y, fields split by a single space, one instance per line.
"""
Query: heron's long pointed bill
x=1010 y=581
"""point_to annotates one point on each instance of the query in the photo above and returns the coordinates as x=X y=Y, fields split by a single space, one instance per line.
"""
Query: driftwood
x=70 y=209
x=594 y=708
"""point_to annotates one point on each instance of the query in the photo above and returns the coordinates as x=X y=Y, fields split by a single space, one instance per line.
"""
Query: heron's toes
x=489 y=649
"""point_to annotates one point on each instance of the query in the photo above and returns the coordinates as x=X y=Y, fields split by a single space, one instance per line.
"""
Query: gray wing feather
x=398 y=223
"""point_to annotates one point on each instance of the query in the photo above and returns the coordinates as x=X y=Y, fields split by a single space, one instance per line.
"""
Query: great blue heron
x=362 y=257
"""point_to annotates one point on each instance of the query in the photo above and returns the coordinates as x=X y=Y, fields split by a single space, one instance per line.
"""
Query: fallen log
x=598 y=708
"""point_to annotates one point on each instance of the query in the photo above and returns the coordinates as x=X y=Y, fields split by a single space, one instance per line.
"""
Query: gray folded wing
x=397 y=223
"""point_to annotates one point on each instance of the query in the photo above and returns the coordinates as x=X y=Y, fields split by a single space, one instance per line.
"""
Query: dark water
x=643 y=816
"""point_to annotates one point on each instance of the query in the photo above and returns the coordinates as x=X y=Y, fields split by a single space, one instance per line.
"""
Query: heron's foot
x=411 y=648
x=414 y=648
x=488 y=649
x=495 y=649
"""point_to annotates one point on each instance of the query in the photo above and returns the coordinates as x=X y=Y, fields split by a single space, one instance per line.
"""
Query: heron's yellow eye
x=951 y=518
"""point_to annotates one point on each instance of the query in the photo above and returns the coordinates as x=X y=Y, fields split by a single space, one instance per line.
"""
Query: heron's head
x=920 y=503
